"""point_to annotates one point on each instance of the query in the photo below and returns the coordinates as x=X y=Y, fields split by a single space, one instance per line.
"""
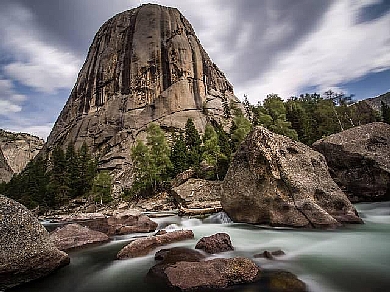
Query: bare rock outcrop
x=215 y=243
x=74 y=236
x=16 y=150
x=144 y=65
x=277 y=181
x=26 y=251
x=198 y=194
x=359 y=161
x=5 y=170
x=142 y=246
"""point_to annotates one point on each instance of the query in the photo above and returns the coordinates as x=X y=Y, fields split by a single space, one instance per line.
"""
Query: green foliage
x=101 y=187
x=193 y=143
x=178 y=154
x=212 y=154
x=241 y=126
x=151 y=162
x=51 y=182
x=385 y=110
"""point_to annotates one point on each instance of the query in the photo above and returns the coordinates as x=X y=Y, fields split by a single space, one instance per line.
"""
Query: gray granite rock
x=26 y=251
x=277 y=181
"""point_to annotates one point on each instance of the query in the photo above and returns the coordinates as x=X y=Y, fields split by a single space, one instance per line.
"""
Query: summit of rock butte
x=144 y=65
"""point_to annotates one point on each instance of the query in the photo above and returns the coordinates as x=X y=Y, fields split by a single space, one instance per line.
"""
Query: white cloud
x=340 y=50
x=36 y=63
x=7 y=107
x=9 y=99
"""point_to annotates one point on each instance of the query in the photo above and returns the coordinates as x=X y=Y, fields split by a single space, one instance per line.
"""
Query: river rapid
x=354 y=258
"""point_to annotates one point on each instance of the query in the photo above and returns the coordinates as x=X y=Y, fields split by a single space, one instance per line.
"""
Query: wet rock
x=216 y=243
x=359 y=161
x=269 y=255
x=142 y=246
x=74 y=235
x=215 y=274
x=26 y=251
x=282 y=281
x=277 y=181
x=130 y=221
x=178 y=254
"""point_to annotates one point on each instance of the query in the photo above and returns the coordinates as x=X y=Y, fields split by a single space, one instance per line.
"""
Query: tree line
x=50 y=182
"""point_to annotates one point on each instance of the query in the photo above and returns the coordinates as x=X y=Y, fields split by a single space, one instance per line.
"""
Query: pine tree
x=211 y=150
x=178 y=154
x=141 y=166
x=58 y=186
x=72 y=169
x=240 y=128
x=193 y=143
x=385 y=110
x=101 y=187
x=159 y=154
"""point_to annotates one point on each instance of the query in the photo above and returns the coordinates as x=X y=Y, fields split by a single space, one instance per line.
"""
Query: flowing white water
x=355 y=258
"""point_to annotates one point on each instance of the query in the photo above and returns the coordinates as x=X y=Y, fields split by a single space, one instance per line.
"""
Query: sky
x=263 y=46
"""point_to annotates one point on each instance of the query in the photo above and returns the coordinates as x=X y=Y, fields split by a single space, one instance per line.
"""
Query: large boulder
x=277 y=181
x=215 y=243
x=215 y=274
x=74 y=235
x=26 y=251
x=359 y=161
x=142 y=246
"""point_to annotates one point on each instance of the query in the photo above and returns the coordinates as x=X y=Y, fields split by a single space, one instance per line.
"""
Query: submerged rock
x=277 y=181
x=178 y=254
x=26 y=251
x=269 y=254
x=359 y=161
x=142 y=246
x=216 y=243
x=74 y=235
x=215 y=274
x=130 y=221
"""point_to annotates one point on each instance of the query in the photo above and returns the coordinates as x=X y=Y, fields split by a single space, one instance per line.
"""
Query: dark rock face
x=359 y=161
x=26 y=251
x=215 y=274
x=144 y=65
x=142 y=246
x=216 y=243
x=74 y=235
x=274 y=180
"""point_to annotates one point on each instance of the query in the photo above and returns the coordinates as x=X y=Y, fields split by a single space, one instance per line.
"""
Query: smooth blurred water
x=355 y=258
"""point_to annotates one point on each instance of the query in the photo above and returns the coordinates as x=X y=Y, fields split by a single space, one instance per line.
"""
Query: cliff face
x=144 y=65
x=16 y=150
x=375 y=102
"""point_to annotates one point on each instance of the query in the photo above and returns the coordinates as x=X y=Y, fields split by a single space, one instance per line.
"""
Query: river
x=354 y=258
